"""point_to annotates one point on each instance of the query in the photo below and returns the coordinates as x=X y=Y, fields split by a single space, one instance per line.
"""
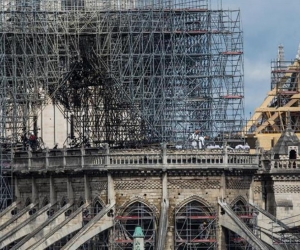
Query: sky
x=265 y=24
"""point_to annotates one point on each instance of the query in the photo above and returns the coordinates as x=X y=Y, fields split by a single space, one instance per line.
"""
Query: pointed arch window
x=137 y=214
x=97 y=207
x=233 y=240
x=195 y=227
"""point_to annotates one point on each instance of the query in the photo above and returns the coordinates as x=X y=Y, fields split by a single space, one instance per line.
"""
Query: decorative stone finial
x=138 y=232
x=280 y=55
x=288 y=125
x=257 y=144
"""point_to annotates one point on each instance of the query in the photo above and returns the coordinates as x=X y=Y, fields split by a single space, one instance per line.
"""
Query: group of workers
x=198 y=142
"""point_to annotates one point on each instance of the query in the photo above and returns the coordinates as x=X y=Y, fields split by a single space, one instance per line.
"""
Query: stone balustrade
x=95 y=158
x=104 y=158
x=284 y=164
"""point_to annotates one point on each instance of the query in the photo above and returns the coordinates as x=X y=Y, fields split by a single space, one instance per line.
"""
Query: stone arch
x=97 y=205
x=292 y=154
x=89 y=213
x=27 y=202
x=195 y=198
x=238 y=199
x=45 y=201
x=241 y=209
x=194 y=223
x=98 y=200
x=137 y=199
x=80 y=202
x=137 y=212
x=64 y=201
x=240 y=205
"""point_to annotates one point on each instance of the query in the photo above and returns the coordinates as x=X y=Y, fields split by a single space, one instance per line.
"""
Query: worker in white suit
x=198 y=141
x=201 y=142
x=195 y=139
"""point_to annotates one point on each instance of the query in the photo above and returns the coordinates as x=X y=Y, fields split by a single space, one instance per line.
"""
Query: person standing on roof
x=195 y=139
x=32 y=140
x=201 y=142
x=24 y=139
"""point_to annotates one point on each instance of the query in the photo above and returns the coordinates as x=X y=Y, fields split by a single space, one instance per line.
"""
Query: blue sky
x=265 y=24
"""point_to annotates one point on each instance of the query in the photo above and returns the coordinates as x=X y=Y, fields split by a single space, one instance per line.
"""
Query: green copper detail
x=138 y=233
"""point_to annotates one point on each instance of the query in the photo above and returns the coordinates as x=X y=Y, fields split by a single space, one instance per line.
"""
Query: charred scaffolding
x=134 y=73
x=126 y=73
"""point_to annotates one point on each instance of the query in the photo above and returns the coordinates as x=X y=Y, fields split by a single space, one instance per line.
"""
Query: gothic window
x=234 y=240
x=97 y=207
x=45 y=202
x=195 y=227
x=293 y=154
x=63 y=202
x=137 y=214
x=28 y=201
x=81 y=203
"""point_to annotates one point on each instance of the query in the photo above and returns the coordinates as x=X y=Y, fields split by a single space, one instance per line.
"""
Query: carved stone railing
x=285 y=164
x=103 y=158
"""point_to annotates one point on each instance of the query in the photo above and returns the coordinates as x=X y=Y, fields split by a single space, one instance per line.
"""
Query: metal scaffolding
x=282 y=101
x=235 y=241
x=195 y=227
x=137 y=214
x=123 y=74
x=126 y=73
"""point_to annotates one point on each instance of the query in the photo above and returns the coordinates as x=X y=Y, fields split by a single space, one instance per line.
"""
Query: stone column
x=223 y=186
x=47 y=158
x=106 y=159
x=164 y=153
x=64 y=151
x=163 y=221
x=70 y=190
x=138 y=239
x=87 y=190
x=17 y=190
x=35 y=196
x=52 y=191
x=251 y=192
x=82 y=150
x=110 y=189
x=225 y=156
x=29 y=157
